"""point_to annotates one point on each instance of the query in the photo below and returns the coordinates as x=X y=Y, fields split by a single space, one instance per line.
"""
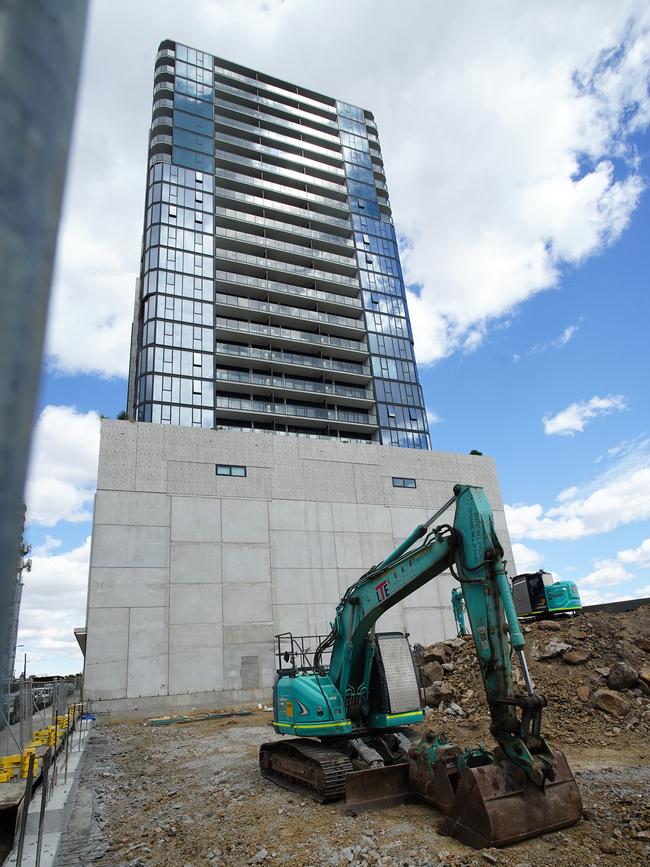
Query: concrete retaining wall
x=192 y=574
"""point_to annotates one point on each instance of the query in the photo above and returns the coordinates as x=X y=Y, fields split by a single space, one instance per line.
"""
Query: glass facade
x=271 y=295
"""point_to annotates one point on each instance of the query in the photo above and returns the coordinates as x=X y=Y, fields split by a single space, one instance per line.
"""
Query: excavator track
x=302 y=765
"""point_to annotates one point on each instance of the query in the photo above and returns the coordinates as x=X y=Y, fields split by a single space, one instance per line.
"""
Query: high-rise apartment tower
x=271 y=296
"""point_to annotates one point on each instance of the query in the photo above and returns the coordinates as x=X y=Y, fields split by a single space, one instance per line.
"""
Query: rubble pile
x=594 y=668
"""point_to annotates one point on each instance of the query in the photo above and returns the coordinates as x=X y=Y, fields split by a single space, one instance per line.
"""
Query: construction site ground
x=192 y=794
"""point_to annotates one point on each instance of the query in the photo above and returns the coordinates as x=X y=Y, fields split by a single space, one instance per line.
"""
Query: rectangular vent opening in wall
x=400 y=482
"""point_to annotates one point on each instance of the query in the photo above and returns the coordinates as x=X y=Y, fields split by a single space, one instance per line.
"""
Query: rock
x=455 y=710
x=448 y=667
x=447 y=692
x=643 y=643
x=643 y=835
x=347 y=855
x=608 y=847
x=588 y=815
x=433 y=696
x=644 y=674
x=622 y=676
x=550 y=625
x=611 y=702
x=579 y=635
x=259 y=856
x=576 y=657
x=436 y=653
x=491 y=859
x=603 y=671
x=431 y=672
x=550 y=650
x=583 y=693
x=457 y=643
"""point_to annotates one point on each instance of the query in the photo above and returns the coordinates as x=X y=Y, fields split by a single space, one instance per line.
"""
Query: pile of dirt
x=594 y=669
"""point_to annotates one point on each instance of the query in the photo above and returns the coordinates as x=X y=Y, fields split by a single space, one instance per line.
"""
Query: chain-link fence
x=28 y=706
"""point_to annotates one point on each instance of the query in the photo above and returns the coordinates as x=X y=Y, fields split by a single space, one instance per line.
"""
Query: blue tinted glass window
x=359 y=173
x=365 y=191
x=189 y=139
x=359 y=158
x=193 y=88
x=353 y=126
x=190 y=103
x=191 y=159
x=354 y=141
x=193 y=122
x=364 y=206
x=344 y=108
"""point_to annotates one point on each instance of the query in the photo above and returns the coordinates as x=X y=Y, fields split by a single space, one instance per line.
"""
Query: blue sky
x=518 y=159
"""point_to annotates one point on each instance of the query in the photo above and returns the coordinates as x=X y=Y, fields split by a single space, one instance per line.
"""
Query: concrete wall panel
x=148 y=652
x=247 y=603
x=195 y=659
x=195 y=603
x=131 y=508
x=195 y=519
x=245 y=521
x=195 y=563
x=146 y=547
x=122 y=588
x=106 y=653
x=246 y=563
x=117 y=458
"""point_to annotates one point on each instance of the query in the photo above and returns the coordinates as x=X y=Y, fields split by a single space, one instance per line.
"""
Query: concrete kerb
x=57 y=810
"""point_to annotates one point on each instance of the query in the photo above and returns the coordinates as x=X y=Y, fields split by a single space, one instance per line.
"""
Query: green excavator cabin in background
x=355 y=705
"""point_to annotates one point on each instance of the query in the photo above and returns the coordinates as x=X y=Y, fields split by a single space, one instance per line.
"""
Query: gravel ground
x=192 y=795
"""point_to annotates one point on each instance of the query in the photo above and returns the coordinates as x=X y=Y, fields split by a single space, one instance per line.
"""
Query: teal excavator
x=349 y=699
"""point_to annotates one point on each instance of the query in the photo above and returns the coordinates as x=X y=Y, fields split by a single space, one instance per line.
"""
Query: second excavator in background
x=350 y=699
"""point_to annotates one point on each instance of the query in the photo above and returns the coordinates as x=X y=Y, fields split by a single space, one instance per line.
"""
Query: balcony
x=232 y=407
x=294 y=362
x=247 y=96
x=333 y=158
x=286 y=157
x=164 y=87
x=306 y=214
x=344 y=285
x=286 y=315
x=322 y=239
x=345 y=265
x=341 y=347
x=276 y=122
x=294 y=193
x=269 y=383
x=261 y=165
x=165 y=53
x=272 y=88
x=329 y=301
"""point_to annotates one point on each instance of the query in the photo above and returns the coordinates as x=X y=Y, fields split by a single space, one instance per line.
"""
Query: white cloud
x=643 y=591
x=638 y=556
x=619 y=496
x=605 y=573
x=63 y=468
x=526 y=559
x=54 y=603
x=566 y=335
x=574 y=418
x=596 y=596
x=433 y=417
x=500 y=125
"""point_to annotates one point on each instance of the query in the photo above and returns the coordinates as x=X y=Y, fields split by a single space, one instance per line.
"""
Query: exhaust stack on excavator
x=358 y=690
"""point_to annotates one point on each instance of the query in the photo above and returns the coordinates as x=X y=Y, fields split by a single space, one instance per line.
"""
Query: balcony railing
x=263 y=117
x=292 y=192
x=274 y=287
x=305 y=213
x=309 y=162
x=285 y=247
x=292 y=141
x=290 y=228
x=220 y=70
x=292 y=334
x=286 y=382
x=271 y=168
x=280 y=356
x=236 y=301
x=314 y=274
x=315 y=412
x=307 y=116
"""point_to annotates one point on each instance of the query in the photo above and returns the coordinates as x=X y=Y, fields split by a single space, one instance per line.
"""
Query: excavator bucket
x=497 y=805
x=376 y=788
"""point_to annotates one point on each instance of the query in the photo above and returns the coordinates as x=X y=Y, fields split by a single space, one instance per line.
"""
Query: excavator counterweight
x=352 y=697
